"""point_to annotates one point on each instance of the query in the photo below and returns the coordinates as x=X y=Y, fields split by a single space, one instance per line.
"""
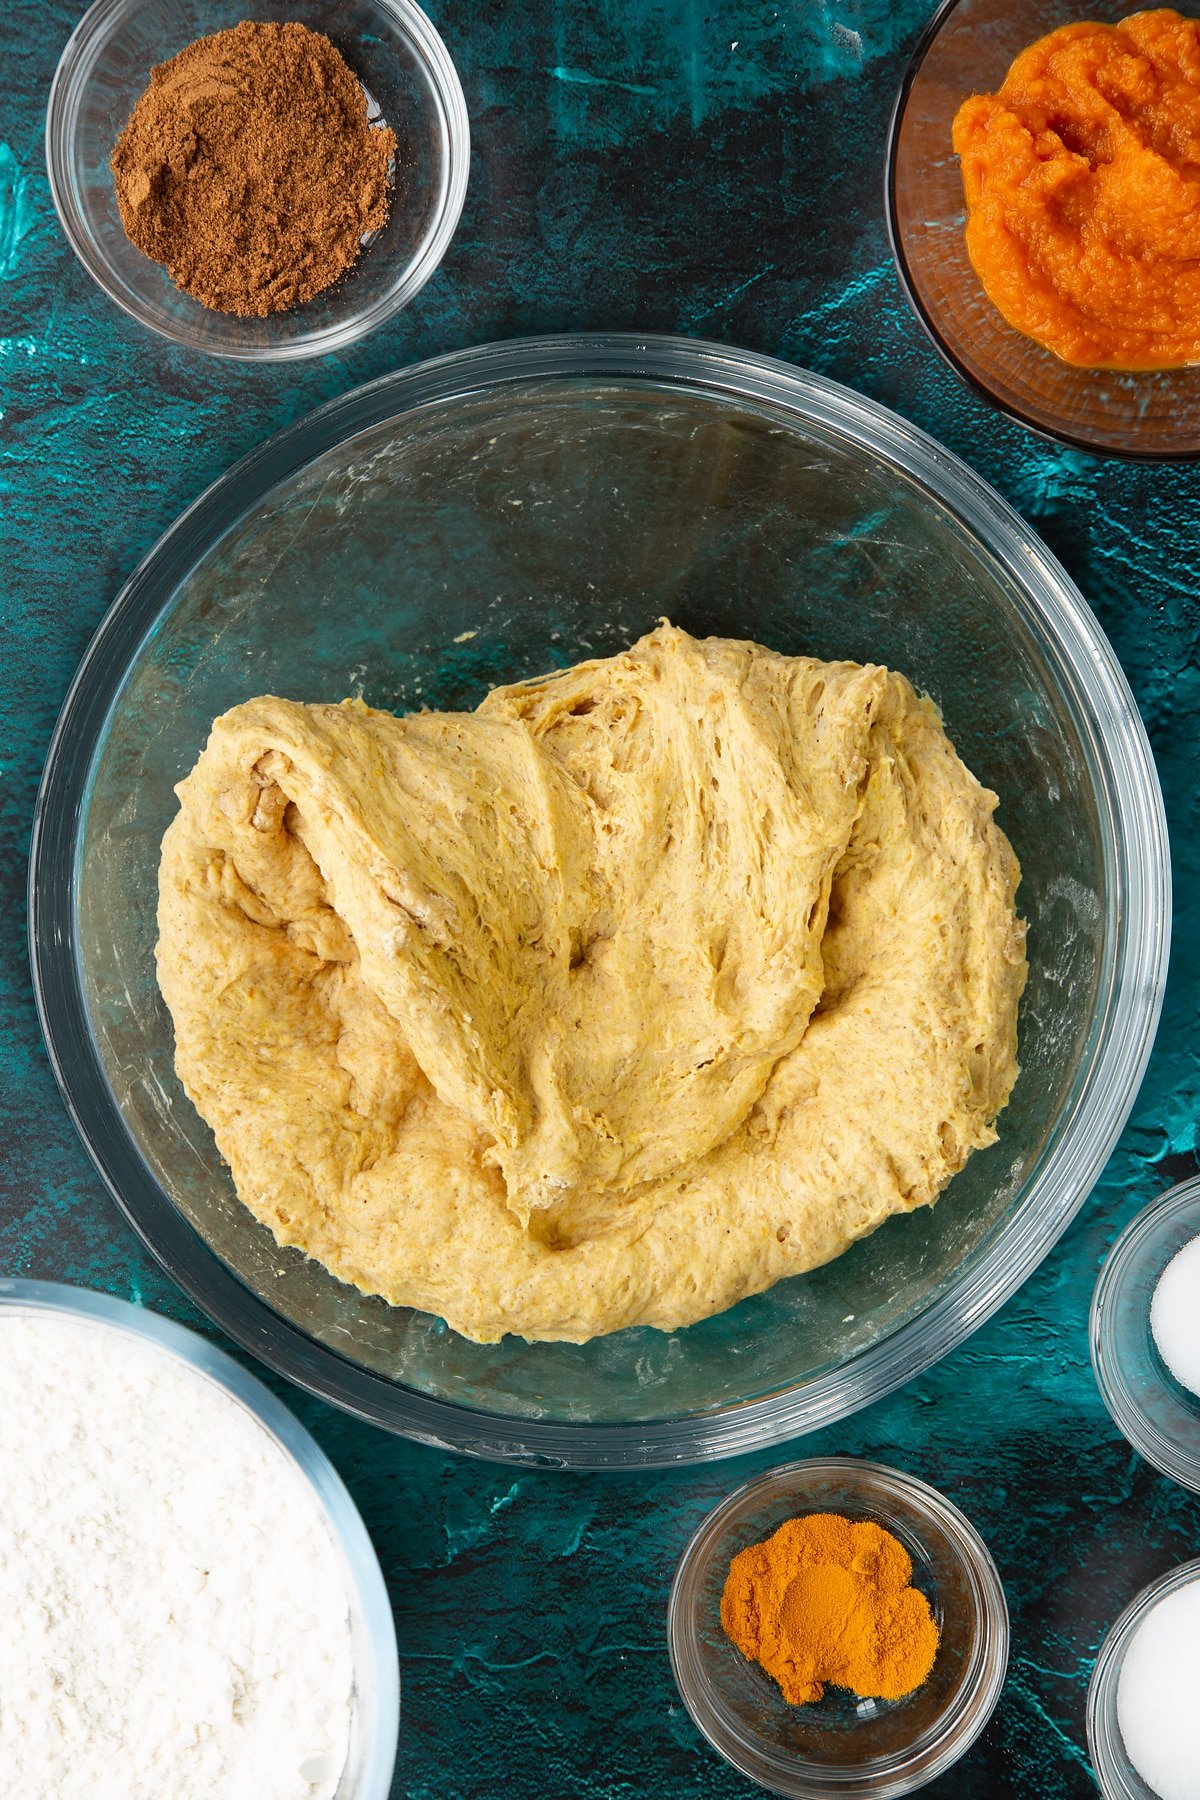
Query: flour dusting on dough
x=648 y=983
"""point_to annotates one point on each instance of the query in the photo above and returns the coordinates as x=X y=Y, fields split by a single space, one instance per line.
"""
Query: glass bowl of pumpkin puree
x=1075 y=305
x=840 y=1743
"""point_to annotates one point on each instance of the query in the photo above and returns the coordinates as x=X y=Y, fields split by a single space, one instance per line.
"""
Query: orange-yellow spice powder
x=828 y=1600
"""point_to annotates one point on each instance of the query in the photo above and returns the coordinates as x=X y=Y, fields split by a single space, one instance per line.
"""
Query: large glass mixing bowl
x=481 y=518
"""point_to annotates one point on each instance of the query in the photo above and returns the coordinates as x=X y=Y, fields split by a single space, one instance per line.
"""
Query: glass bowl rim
x=67 y=87
x=971 y=1708
x=1101 y=1705
x=329 y=1492
x=1132 y=822
x=930 y=32
x=1161 y=1453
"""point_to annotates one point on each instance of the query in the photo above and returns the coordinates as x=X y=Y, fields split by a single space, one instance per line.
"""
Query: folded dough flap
x=594 y=908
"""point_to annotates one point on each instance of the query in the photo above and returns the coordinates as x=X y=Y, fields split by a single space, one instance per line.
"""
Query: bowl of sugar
x=1143 y=1727
x=1145 y=1333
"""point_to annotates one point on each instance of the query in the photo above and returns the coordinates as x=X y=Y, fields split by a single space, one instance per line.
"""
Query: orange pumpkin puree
x=1082 y=180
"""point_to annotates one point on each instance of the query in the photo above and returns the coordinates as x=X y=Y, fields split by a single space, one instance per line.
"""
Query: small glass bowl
x=967 y=48
x=855 y=1749
x=1116 y=1775
x=376 y=1715
x=1160 y=1418
x=408 y=76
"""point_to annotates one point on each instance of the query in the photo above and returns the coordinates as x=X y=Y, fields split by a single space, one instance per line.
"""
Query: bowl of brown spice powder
x=254 y=179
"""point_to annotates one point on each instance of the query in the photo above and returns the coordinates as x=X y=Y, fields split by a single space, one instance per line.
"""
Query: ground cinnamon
x=829 y=1600
x=248 y=167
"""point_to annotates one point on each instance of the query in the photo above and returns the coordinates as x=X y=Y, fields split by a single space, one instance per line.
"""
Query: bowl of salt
x=1145 y=1334
x=1143 y=1727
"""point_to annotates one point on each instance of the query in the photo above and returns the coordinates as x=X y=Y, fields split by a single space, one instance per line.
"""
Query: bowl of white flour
x=192 y=1606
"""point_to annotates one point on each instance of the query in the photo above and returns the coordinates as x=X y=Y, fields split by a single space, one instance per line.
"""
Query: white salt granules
x=174 y=1622
x=1175 y=1316
x=1156 y=1696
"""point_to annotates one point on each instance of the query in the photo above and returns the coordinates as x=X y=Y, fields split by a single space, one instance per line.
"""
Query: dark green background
x=656 y=165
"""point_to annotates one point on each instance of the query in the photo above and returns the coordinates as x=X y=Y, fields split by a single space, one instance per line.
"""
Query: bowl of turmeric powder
x=1040 y=193
x=838 y=1628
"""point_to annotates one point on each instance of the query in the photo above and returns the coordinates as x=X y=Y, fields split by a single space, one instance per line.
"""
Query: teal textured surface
x=653 y=167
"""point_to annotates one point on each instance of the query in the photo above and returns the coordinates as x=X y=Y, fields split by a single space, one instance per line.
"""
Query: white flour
x=173 y=1616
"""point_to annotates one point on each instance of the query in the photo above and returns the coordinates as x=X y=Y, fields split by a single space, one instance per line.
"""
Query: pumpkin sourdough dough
x=644 y=985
